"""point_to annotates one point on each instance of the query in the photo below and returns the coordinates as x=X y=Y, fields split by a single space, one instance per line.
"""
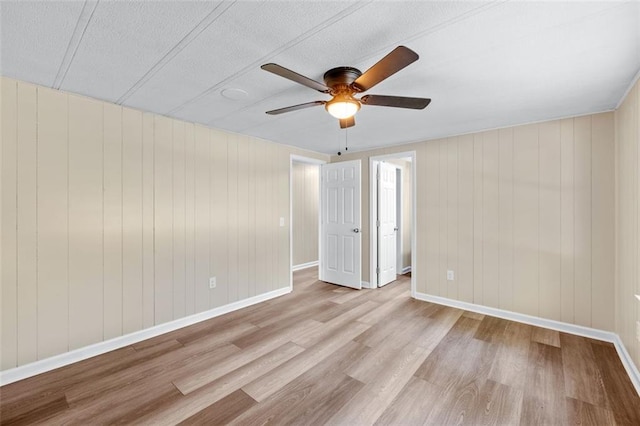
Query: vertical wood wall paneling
x=113 y=220
x=179 y=220
x=421 y=211
x=27 y=278
x=9 y=100
x=505 y=240
x=202 y=220
x=132 y=224
x=582 y=220
x=428 y=244
x=567 y=264
x=163 y=219
x=148 y=220
x=252 y=211
x=525 y=224
x=112 y=201
x=243 y=217
x=603 y=237
x=189 y=212
x=491 y=218
x=53 y=210
x=284 y=257
x=261 y=219
x=477 y=219
x=550 y=220
x=443 y=216
x=218 y=201
x=86 y=227
x=465 y=218
x=272 y=222
x=452 y=216
x=232 y=229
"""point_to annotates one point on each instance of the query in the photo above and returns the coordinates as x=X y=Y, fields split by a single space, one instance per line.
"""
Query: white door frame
x=399 y=221
x=308 y=160
x=373 y=243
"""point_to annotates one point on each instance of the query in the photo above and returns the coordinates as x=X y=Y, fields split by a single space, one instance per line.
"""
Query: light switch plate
x=282 y=221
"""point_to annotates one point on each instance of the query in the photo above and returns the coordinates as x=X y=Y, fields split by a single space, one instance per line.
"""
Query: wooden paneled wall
x=305 y=210
x=523 y=215
x=628 y=221
x=113 y=220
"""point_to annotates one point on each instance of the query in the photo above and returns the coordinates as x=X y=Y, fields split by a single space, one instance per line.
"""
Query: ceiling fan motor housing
x=339 y=79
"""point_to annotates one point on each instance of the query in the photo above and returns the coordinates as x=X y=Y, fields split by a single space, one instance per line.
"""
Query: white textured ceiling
x=484 y=64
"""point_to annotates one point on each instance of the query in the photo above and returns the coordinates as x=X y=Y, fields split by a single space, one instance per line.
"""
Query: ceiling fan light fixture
x=342 y=106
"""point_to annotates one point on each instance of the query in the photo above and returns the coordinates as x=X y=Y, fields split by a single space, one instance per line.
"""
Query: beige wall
x=305 y=210
x=523 y=215
x=113 y=220
x=628 y=221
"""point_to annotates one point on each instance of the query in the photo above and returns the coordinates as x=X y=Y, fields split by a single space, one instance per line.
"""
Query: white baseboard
x=406 y=270
x=57 y=361
x=304 y=265
x=578 y=330
x=366 y=284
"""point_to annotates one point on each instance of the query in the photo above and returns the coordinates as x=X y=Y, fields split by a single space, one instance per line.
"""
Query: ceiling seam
x=420 y=34
x=442 y=25
x=75 y=40
x=325 y=24
x=177 y=48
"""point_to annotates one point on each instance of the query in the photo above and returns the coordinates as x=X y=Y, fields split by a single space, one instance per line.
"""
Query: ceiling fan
x=343 y=83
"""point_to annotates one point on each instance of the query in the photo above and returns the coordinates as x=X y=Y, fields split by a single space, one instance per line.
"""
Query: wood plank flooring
x=331 y=355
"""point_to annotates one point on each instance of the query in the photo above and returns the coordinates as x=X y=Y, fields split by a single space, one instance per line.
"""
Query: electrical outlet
x=212 y=282
x=450 y=275
x=282 y=222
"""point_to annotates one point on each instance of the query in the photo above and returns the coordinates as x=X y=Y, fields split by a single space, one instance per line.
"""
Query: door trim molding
x=373 y=246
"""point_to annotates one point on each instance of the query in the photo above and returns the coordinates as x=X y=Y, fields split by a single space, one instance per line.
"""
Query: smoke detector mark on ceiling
x=234 y=94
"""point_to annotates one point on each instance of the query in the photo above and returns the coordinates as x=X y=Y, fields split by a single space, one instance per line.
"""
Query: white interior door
x=387 y=227
x=340 y=258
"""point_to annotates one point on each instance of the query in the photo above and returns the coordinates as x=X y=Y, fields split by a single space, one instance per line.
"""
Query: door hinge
x=378 y=271
x=378 y=223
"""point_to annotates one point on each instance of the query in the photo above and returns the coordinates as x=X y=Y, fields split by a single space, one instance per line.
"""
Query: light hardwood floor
x=331 y=355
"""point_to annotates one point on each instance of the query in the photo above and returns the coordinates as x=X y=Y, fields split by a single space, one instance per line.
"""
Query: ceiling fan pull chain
x=346 y=139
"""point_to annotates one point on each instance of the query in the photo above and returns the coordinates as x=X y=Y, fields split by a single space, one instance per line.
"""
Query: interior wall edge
x=632 y=84
x=564 y=327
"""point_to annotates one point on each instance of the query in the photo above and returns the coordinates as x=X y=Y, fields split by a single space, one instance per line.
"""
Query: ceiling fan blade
x=396 y=101
x=294 y=76
x=399 y=58
x=347 y=122
x=295 y=107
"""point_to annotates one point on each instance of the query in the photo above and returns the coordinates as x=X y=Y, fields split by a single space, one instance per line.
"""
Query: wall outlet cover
x=450 y=275
x=212 y=282
x=282 y=221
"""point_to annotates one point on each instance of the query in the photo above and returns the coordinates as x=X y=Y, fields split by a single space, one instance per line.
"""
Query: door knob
x=395 y=229
x=356 y=230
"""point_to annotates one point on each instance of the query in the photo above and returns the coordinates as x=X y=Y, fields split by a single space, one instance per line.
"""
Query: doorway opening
x=392 y=201
x=304 y=211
